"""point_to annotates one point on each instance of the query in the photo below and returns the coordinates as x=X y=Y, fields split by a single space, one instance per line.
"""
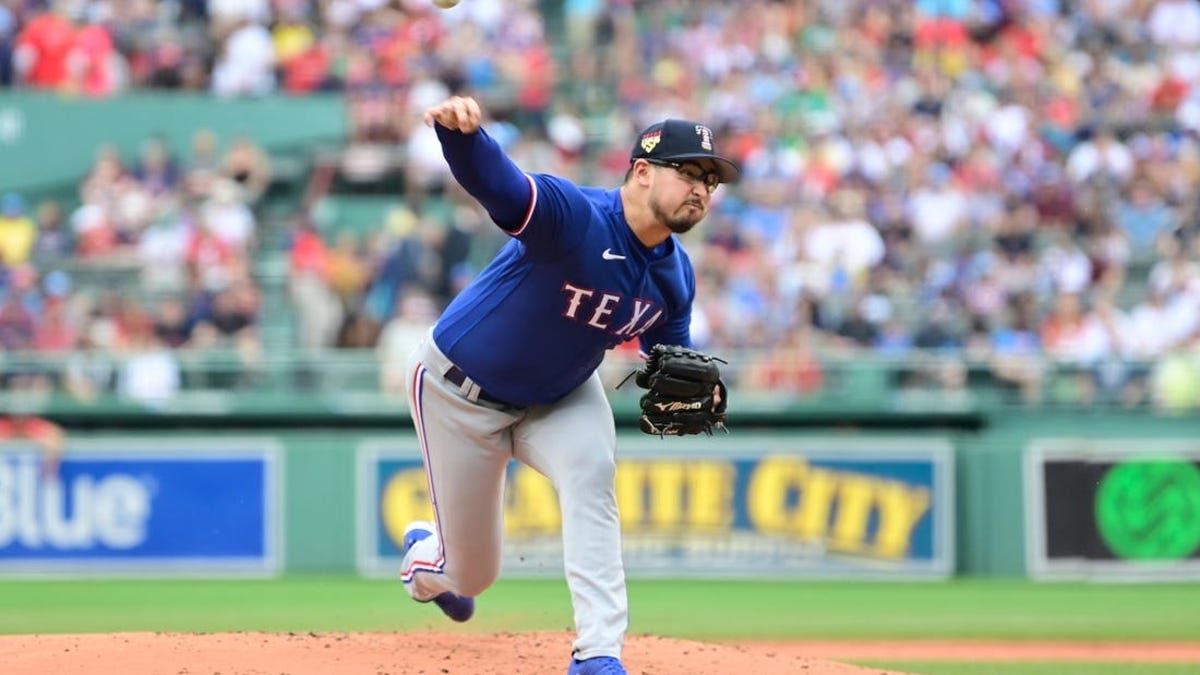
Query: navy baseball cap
x=675 y=140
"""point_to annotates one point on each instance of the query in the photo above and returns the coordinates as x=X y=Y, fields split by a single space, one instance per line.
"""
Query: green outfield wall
x=48 y=140
x=991 y=500
x=906 y=500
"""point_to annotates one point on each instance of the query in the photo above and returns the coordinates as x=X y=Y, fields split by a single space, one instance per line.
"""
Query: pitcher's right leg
x=465 y=447
x=458 y=607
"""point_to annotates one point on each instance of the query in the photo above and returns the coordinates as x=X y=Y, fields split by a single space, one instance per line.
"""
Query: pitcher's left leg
x=573 y=443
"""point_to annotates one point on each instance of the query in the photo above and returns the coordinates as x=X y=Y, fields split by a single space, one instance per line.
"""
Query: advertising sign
x=1113 y=509
x=775 y=507
x=168 y=506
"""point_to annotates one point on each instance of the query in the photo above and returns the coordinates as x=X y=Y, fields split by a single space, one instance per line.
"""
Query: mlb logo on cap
x=650 y=140
x=680 y=141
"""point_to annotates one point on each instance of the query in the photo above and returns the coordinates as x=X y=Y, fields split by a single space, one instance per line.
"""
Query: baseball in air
x=445 y=4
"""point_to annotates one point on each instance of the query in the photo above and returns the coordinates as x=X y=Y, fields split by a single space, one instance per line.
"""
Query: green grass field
x=707 y=610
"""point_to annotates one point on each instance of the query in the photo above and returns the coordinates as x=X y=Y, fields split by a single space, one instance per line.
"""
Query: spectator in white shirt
x=162 y=252
x=150 y=374
x=1104 y=155
x=246 y=66
x=844 y=241
x=228 y=217
x=938 y=209
x=1175 y=23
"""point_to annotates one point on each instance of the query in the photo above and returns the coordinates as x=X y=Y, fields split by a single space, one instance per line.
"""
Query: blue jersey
x=573 y=283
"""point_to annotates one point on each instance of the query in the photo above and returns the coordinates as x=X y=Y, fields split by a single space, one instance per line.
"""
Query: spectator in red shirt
x=94 y=48
x=47 y=435
x=54 y=330
x=46 y=51
x=311 y=69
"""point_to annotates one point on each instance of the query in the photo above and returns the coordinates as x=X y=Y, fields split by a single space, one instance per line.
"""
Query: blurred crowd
x=183 y=231
x=253 y=47
x=971 y=188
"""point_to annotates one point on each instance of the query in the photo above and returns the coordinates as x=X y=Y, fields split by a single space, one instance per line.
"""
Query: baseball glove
x=685 y=394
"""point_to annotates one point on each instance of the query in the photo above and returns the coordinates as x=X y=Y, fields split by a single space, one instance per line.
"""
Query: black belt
x=456 y=377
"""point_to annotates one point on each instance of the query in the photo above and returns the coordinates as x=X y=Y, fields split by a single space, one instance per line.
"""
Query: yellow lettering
x=900 y=509
x=771 y=483
x=666 y=494
x=785 y=495
x=710 y=495
x=532 y=504
x=673 y=495
x=856 y=496
x=816 y=503
x=767 y=492
x=405 y=499
x=630 y=484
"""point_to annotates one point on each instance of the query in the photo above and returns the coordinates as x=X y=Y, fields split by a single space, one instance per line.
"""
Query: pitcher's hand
x=457 y=113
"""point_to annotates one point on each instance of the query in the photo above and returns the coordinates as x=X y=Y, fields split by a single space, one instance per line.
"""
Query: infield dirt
x=379 y=654
x=546 y=653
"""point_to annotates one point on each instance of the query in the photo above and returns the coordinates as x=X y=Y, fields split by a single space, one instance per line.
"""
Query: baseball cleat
x=601 y=665
x=416 y=531
x=459 y=608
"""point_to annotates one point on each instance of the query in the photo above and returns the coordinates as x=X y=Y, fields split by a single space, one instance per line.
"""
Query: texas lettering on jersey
x=597 y=309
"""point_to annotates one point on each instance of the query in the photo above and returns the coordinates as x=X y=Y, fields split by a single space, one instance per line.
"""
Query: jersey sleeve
x=675 y=331
x=547 y=213
x=479 y=164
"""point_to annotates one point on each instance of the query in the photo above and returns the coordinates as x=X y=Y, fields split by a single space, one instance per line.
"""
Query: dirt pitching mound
x=425 y=653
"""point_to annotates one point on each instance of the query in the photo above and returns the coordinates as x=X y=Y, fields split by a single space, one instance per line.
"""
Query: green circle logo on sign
x=1150 y=510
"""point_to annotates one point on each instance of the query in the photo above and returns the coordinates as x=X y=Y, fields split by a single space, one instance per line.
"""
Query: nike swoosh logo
x=609 y=255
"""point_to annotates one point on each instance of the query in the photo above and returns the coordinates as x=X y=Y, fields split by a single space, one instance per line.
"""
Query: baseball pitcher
x=509 y=370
